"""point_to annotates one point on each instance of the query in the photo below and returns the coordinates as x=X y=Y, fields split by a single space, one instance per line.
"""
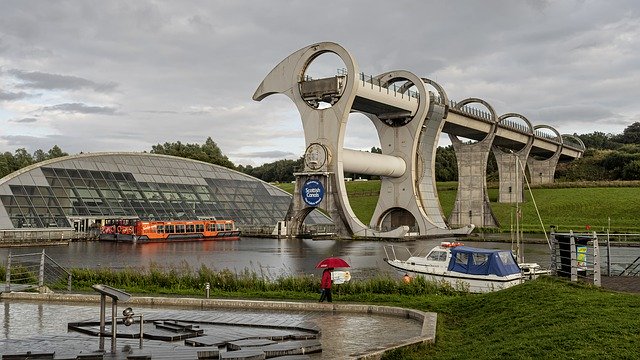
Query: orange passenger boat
x=174 y=230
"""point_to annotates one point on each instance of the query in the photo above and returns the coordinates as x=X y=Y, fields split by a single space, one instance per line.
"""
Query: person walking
x=325 y=285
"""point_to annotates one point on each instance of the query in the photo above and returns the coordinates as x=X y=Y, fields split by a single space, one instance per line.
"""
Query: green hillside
x=568 y=208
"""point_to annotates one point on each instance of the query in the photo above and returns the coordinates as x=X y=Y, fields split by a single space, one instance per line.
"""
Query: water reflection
x=268 y=257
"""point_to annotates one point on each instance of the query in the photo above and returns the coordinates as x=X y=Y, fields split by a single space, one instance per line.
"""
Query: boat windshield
x=437 y=255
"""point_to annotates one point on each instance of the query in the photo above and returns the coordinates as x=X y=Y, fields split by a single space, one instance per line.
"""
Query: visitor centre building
x=82 y=191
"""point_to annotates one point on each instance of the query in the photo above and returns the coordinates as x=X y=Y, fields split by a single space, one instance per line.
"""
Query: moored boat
x=170 y=231
x=465 y=268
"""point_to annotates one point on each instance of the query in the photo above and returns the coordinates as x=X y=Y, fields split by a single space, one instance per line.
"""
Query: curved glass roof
x=137 y=186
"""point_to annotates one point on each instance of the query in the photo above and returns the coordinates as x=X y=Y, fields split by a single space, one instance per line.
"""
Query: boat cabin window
x=160 y=229
x=437 y=256
x=190 y=228
x=211 y=227
x=462 y=258
x=506 y=257
x=179 y=228
x=200 y=228
x=220 y=227
x=228 y=226
x=169 y=229
x=480 y=259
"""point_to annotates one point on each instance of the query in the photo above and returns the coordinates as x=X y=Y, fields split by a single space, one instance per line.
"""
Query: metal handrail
x=635 y=266
x=33 y=268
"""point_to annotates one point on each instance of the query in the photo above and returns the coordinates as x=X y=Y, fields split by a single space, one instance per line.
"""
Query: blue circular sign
x=312 y=192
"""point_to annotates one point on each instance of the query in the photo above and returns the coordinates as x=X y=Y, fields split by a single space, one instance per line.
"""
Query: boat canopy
x=477 y=261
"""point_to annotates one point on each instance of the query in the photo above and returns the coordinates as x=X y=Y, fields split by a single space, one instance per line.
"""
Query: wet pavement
x=42 y=327
x=630 y=284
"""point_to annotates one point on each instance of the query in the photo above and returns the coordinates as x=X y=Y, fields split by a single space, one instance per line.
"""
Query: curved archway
x=543 y=161
x=331 y=68
x=396 y=217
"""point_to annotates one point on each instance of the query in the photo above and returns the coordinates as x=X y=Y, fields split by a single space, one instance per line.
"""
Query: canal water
x=264 y=256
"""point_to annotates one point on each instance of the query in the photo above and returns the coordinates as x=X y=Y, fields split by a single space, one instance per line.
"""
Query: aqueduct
x=409 y=119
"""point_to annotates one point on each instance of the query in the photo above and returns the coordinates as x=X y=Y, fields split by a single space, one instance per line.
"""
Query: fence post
x=7 y=276
x=608 y=253
x=574 y=263
x=596 y=261
x=69 y=282
x=554 y=265
x=41 y=274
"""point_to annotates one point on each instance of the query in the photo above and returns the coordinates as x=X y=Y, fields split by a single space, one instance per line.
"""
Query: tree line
x=607 y=157
x=22 y=158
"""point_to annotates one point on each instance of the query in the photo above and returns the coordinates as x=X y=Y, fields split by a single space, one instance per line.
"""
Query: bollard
x=207 y=287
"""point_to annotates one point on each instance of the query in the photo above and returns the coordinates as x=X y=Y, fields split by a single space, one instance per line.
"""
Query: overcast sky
x=125 y=75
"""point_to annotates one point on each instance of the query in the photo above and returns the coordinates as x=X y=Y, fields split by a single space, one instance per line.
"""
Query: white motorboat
x=466 y=268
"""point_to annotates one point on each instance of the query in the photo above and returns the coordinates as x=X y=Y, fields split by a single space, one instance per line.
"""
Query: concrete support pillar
x=542 y=171
x=327 y=202
x=511 y=189
x=511 y=166
x=472 y=201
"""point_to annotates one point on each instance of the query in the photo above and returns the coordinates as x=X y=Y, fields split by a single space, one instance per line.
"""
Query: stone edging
x=428 y=319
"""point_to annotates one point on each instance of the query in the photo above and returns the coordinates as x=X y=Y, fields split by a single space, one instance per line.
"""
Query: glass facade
x=142 y=186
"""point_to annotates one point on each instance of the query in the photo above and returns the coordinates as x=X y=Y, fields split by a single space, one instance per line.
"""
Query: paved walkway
x=41 y=327
x=629 y=284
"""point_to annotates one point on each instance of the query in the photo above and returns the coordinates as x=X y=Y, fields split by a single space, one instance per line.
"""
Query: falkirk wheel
x=408 y=120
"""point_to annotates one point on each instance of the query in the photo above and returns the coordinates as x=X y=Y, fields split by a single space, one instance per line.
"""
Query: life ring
x=451 y=244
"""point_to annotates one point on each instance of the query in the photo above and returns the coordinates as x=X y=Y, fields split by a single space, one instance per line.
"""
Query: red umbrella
x=332 y=262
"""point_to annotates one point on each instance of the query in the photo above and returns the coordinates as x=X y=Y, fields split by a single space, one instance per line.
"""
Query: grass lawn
x=543 y=319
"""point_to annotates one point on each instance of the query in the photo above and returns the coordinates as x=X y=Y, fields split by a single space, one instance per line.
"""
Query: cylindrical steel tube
x=366 y=163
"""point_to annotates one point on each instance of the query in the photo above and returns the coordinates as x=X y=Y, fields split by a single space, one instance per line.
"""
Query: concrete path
x=340 y=331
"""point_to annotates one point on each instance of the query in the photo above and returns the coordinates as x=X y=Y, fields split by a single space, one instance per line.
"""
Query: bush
x=183 y=280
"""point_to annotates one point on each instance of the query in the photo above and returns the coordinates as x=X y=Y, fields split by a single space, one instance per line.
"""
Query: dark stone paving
x=296 y=333
x=629 y=284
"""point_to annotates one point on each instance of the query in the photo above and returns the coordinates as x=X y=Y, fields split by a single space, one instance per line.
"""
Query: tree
x=5 y=168
x=55 y=152
x=209 y=152
x=446 y=167
x=630 y=135
x=597 y=140
x=211 y=149
x=39 y=155
x=22 y=158
x=631 y=170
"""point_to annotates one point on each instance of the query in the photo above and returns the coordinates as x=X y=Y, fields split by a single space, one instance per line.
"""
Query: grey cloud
x=26 y=120
x=572 y=63
x=276 y=154
x=81 y=109
x=159 y=111
x=46 y=81
x=578 y=112
x=7 y=95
